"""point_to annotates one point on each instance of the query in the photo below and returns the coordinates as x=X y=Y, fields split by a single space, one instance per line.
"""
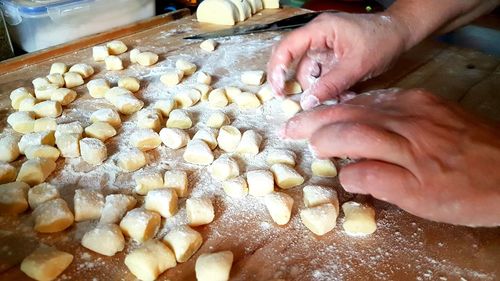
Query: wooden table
x=403 y=248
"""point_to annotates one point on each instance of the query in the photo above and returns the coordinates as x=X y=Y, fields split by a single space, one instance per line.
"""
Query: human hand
x=426 y=155
x=335 y=52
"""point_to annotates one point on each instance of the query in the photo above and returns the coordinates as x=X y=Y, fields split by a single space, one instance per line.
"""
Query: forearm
x=420 y=18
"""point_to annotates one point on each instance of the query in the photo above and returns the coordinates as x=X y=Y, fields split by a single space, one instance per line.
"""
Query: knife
x=284 y=24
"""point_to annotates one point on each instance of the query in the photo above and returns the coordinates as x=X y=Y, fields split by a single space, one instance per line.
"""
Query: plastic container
x=38 y=24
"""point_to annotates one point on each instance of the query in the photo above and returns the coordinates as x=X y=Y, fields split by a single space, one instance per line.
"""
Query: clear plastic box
x=37 y=24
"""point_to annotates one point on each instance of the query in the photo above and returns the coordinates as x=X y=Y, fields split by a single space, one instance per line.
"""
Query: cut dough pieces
x=88 y=204
x=204 y=78
x=200 y=211
x=68 y=144
x=99 y=53
x=250 y=143
x=174 y=138
x=198 y=152
x=45 y=124
x=229 y=138
x=244 y=9
x=42 y=151
x=256 y=5
x=217 y=98
x=224 y=168
x=260 y=182
x=116 y=47
x=265 y=93
x=185 y=66
x=63 y=96
x=22 y=122
x=113 y=63
x=146 y=181
x=172 y=77
x=98 y=87
x=323 y=168
x=290 y=107
x=247 y=100
x=285 y=176
x=180 y=119
x=282 y=156
x=184 y=241
x=115 y=206
x=271 y=4
x=126 y=102
x=73 y=79
x=52 y=216
x=35 y=171
x=131 y=160
x=207 y=135
x=93 y=151
x=208 y=45
x=100 y=130
x=147 y=58
x=279 y=205
x=140 y=224
x=178 y=181
x=56 y=79
x=107 y=115
x=105 y=239
x=145 y=139
x=133 y=55
x=164 y=106
x=47 y=109
x=41 y=193
x=320 y=219
x=38 y=138
x=7 y=173
x=236 y=187
x=13 y=198
x=315 y=195
x=359 y=219
x=149 y=119
x=214 y=266
x=46 y=263
x=58 y=68
x=293 y=87
x=187 y=98
x=10 y=148
x=83 y=69
x=253 y=78
x=162 y=201
x=217 y=120
x=150 y=260
x=130 y=83
x=221 y=12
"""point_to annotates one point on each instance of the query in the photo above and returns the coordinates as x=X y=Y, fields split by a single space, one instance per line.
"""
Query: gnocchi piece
x=35 y=171
x=106 y=115
x=285 y=176
x=100 y=130
x=319 y=219
x=145 y=139
x=229 y=138
x=46 y=263
x=256 y=5
x=224 y=168
x=271 y=4
x=281 y=156
x=187 y=98
x=41 y=193
x=247 y=100
x=150 y=260
x=69 y=145
x=232 y=93
x=18 y=95
x=126 y=103
x=265 y=93
x=260 y=182
x=187 y=67
x=113 y=63
x=172 y=77
x=180 y=119
x=184 y=241
x=250 y=143
x=208 y=45
x=45 y=124
x=359 y=219
x=88 y=204
x=115 y=207
x=52 y=216
x=235 y=187
x=100 y=53
x=214 y=266
x=200 y=211
x=83 y=69
x=146 y=181
x=293 y=87
x=39 y=138
x=149 y=119
x=105 y=239
x=198 y=152
x=162 y=201
x=207 y=135
x=227 y=13
x=323 y=168
x=204 y=78
x=176 y=180
x=73 y=79
x=217 y=120
x=174 y=138
x=42 y=151
x=116 y=47
x=279 y=205
x=47 y=109
x=56 y=79
x=290 y=107
x=93 y=151
x=140 y=224
x=133 y=55
x=146 y=58
x=10 y=148
x=217 y=98
x=40 y=82
x=63 y=96
x=130 y=83
x=116 y=92
x=58 y=68
x=98 y=88
x=7 y=173
x=45 y=92
x=244 y=9
x=164 y=106
x=69 y=128
x=13 y=198
x=22 y=122
x=204 y=90
x=315 y=195
x=131 y=160
x=253 y=78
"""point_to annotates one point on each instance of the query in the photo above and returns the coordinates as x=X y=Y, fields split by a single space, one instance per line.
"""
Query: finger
x=308 y=71
x=384 y=181
x=360 y=140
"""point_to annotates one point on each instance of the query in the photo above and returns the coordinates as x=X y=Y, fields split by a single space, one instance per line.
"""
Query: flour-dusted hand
x=426 y=155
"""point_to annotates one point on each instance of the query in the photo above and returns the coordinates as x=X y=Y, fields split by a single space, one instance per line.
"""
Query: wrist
x=400 y=25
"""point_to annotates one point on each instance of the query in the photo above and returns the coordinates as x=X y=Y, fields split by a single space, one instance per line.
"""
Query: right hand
x=335 y=52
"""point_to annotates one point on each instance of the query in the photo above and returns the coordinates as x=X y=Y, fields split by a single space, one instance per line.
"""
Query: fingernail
x=309 y=101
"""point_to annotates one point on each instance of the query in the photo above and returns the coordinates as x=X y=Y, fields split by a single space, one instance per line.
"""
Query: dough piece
x=187 y=98
x=63 y=96
x=105 y=239
x=162 y=201
x=59 y=68
x=83 y=69
x=221 y=12
x=93 y=151
x=150 y=260
x=133 y=55
x=126 y=103
x=224 y=168
x=256 y=5
x=131 y=160
x=130 y=83
x=293 y=87
x=172 y=77
x=46 y=263
x=271 y=4
x=315 y=195
x=147 y=58
x=200 y=211
x=216 y=92
x=88 y=204
x=42 y=193
x=204 y=90
x=40 y=82
x=236 y=187
x=69 y=128
x=140 y=224
x=247 y=100
x=260 y=182
x=115 y=206
x=250 y=143
x=56 y=79
x=187 y=67
x=229 y=138
x=208 y=45
x=145 y=139
x=359 y=219
x=244 y=9
x=27 y=104
x=217 y=98
x=320 y=219
x=100 y=130
x=13 y=198
x=290 y=107
x=42 y=151
x=98 y=87
x=174 y=138
x=164 y=106
x=149 y=119
x=198 y=152
x=52 y=216
x=116 y=47
x=100 y=53
x=45 y=124
x=7 y=173
x=18 y=95
x=279 y=205
x=73 y=79
x=323 y=168
x=204 y=78
x=184 y=241
x=113 y=63
x=217 y=120
x=207 y=135
x=39 y=138
x=180 y=119
x=48 y=109
x=35 y=171
x=9 y=147
x=265 y=93
x=282 y=156
x=178 y=181
x=45 y=92
x=214 y=266
x=69 y=145
x=146 y=181
x=107 y=115
x=285 y=176
x=22 y=122
x=253 y=78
